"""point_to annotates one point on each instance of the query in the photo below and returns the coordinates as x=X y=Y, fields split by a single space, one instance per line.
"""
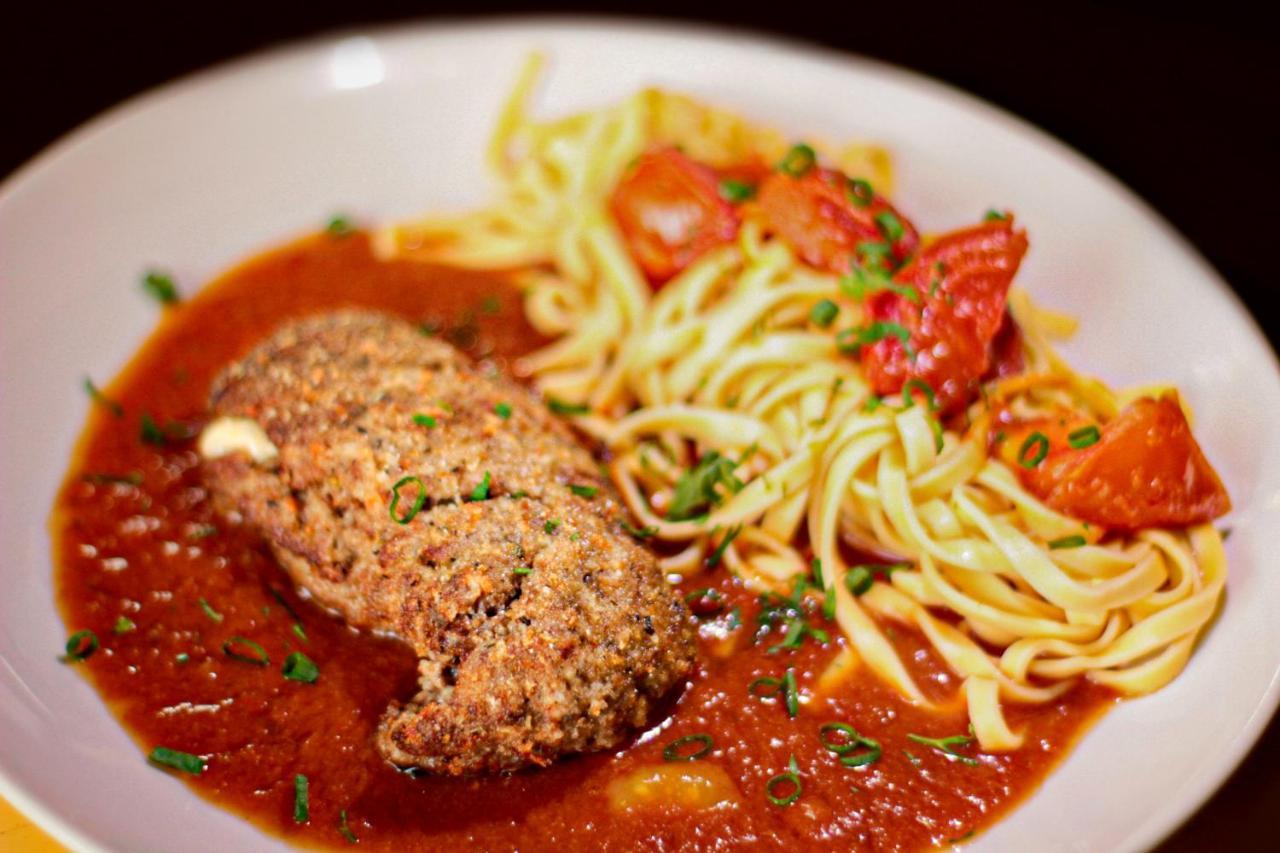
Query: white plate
x=204 y=172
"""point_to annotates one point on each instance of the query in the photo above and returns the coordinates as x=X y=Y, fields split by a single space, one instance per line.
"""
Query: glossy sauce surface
x=137 y=539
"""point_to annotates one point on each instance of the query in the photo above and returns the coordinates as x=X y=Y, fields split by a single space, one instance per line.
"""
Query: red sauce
x=156 y=554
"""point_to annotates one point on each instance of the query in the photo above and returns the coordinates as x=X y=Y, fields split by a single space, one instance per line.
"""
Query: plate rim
x=1146 y=833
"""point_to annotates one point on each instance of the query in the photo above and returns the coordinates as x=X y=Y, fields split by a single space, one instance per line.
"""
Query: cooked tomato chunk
x=947 y=313
x=671 y=212
x=1141 y=469
x=829 y=220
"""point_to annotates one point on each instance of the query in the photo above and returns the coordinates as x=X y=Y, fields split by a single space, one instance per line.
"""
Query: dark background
x=1182 y=106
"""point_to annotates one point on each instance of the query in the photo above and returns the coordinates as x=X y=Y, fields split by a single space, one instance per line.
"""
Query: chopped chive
x=124 y=625
x=860 y=192
x=503 y=410
x=299 y=667
x=874 y=333
x=522 y=570
x=725 y=542
x=798 y=160
x=853 y=748
x=284 y=602
x=1076 y=541
x=815 y=566
x=425 y=421
x=947 y=745
x=182 y=657
x=344 y=830
x=301 y=808
x=913 y=759
x=209 y=611
x=878 y=253
x=829 y=603
x=1084 y=437
x=675 y=750
x=890 y=225
x=133 y=478
x=80 y=645
x=160 y=287
x=560 y=407
x=96 y=395
x=1033 y=450
x=790 y=694
x=184 y=761
x=858 y=580
x=418 y=501
x=736 y=192
x=994 y=215
x=924 y=388
x=861 y=282
x=758 y=687
x=873 y=402
x=696 y=491
x=481 y=491
x=150 y=433
x=551 y=525
x=587 y=492
x=258 y=658
x=780 y=782
x=339 y=226
x=824 y=313
x=299 y=632
x=639 y=532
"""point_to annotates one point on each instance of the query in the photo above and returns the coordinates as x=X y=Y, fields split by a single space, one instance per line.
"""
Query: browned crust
x=516 y=668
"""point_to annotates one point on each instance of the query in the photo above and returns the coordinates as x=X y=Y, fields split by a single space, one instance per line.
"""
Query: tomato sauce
x=136 y=538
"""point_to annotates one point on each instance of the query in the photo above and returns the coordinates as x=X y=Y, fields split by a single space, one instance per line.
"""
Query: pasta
x=723 y=378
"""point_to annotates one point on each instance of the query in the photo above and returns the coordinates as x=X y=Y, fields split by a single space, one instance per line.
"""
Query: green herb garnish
x=788 y=784
x=344 y=830
x=301 y=808
x=1076 y=541
x=560 y=407
x=697 y=489
x=418 y=501
x=853 y=340
x=258 y=657
x=890 y=225
x=299 y=667
x=339 y=226
x=101 y=399
x=209 y=611
x=824 y=313
x=184 y=761
x=481 y=491
x=80 y=645
x=587 y=492
x=947 y=745
x=1033 y=450
x=676 y=751
x=736 y=192
x=798 y=160
x=725 y=541
x=854 y=749
x=160 y=287
x=1084 y=437
x=503 y=410
x=858 y=580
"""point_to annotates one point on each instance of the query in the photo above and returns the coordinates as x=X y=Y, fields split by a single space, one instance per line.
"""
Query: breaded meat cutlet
x=542 y=628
